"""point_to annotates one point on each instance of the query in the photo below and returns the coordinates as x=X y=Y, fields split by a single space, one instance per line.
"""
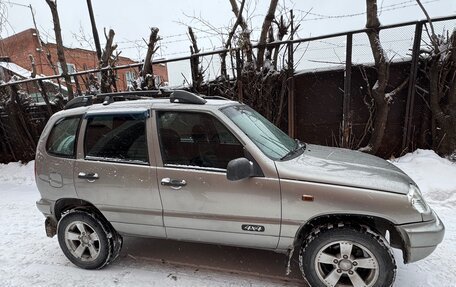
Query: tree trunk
x=264 y=32
x=195 y=64
x=40 y=86
x=148 y=68
x=60 y=48
x=382 y=103
x=106 y=78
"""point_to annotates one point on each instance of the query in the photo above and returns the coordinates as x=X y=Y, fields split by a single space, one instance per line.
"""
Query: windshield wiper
x=300 y=147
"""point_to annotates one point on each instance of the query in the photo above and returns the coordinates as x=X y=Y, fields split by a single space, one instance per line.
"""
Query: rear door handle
x=91 y=177
x=173 y=183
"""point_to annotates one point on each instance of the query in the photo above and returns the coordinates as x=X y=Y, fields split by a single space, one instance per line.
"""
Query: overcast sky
x=131 y=19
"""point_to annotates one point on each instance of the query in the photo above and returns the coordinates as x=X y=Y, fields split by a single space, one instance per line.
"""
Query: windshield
x=269 y=138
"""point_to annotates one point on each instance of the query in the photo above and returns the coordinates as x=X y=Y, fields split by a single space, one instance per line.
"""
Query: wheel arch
x=64 y=204
x=376 y=224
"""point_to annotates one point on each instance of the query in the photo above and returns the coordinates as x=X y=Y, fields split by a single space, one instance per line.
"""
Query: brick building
x=19 y=46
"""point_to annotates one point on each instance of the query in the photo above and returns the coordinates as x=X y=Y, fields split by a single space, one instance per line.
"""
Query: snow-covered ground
x=29 y=258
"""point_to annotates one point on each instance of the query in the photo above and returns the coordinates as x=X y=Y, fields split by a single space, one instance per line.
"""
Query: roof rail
x=181 y=96
x=82 y=101
x=215 y=98
x=134 y=94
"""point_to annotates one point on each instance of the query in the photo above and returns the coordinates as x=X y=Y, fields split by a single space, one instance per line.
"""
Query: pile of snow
x=17 y=173
x=436 y=178
x=29 y=258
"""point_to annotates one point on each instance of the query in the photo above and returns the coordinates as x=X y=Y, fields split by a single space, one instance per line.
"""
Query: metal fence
x=334 y=58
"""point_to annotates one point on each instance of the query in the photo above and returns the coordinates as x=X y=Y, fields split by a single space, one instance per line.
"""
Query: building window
x=157 y=80
x=70 y=67
x=130 y=77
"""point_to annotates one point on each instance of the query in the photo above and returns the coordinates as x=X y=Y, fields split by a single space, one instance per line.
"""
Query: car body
x=215 y=171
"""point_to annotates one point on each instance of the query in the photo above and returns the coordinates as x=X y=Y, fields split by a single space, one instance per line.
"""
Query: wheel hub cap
x=85 y=239
x=345 y=265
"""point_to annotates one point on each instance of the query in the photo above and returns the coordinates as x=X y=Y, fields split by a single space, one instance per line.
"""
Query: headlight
x=416 y=200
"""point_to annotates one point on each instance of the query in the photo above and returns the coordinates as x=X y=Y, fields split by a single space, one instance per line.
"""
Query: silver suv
x=212 y=170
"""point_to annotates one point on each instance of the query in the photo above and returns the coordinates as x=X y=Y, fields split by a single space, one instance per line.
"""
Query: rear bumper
x=50 y=224
x=44 y=206
x=421 y=238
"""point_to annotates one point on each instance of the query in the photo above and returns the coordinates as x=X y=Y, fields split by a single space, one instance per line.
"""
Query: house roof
x=16 y=69
x=23 y=73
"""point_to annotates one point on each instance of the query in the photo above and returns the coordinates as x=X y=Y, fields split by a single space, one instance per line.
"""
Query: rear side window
x=62 y=139
x=118 y=138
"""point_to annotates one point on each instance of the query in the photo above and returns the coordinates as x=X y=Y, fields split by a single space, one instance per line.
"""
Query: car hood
x=345 y=167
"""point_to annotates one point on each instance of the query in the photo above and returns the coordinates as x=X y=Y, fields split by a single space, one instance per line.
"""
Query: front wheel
x=346 y=256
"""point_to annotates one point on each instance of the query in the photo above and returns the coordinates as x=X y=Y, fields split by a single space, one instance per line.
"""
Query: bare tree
x=108 y=60
x=40 y=86
x=265 y=29
x=244 y=39
x=440 y=68
x=60 y=48
x=19 y=133
x=260 y=83
x=195 y=63
x=382 y=99
x=147 y=72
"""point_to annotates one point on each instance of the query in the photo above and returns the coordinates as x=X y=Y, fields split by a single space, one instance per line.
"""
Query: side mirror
x=239 y=168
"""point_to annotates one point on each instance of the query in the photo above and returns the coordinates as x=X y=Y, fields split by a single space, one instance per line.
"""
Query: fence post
x=45 y=97
x=239 y=75
x=291 y=92
x=346 y=118
x=406 y=136
x=78 y=87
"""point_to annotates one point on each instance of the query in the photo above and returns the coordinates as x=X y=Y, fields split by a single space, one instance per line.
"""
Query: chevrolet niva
x=208 y=169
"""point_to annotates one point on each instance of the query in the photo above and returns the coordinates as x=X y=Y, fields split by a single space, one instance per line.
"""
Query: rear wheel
x=346 y=256
x=85 y=240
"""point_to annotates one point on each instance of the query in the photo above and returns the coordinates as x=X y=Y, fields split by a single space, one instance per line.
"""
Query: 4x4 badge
x=255 y=228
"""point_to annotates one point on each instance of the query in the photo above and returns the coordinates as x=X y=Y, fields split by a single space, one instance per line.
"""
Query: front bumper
x=421 y=238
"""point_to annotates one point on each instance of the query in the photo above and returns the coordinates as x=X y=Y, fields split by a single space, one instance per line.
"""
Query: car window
x=116 y=138
x=270 y=139
x=61 y=140
x=196 y=139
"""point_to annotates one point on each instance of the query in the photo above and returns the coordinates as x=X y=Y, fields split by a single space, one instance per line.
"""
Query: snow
x=436 y=178
x=16 y=69
x=29 y=258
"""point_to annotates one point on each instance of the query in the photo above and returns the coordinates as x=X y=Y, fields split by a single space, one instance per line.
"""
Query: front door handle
x=173 y=183
x=91 y=177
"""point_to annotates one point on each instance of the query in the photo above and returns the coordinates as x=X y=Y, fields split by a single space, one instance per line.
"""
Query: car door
x=114 y=171
x=199 y=203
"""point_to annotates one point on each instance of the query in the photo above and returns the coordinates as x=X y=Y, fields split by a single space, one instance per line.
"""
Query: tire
x=85 y=239
x=345 y=255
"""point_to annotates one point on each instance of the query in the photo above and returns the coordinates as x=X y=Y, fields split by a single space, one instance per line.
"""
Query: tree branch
x=60 y=48
x=239 y=20
x=246 y=43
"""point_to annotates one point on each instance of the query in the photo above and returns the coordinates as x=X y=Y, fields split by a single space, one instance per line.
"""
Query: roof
x=16 y=69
